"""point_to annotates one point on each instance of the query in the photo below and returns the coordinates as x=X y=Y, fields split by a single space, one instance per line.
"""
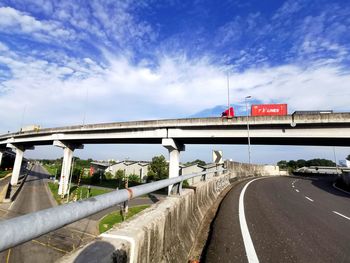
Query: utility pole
x=246 y=107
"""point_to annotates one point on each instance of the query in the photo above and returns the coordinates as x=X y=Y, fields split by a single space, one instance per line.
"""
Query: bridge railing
x=27 y=227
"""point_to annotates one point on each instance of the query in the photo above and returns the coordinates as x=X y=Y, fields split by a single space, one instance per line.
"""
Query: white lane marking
x=129 y=239
x=296 y=190
x=308 y=198
x=339 y=214
x=247 y=240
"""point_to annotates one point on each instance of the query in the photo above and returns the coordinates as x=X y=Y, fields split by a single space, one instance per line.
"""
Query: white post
x=17 y=166
x=1 y=154
x=18 y=161
x=65 y=172
x=174 y=158
x=68 y=150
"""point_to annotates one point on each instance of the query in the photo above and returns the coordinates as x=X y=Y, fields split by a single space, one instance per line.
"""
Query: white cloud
x=12 y=19
x=3 y=47
x=56 y=94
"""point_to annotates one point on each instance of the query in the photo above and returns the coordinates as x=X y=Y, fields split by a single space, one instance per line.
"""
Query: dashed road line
x=339 y=214
x=308 y=198
x=247 y=240
x=50 y=246
x=81 y=232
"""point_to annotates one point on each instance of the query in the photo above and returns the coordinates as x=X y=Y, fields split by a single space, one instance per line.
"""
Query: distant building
x=139 y=168
x=98 y=167
x=192 y=169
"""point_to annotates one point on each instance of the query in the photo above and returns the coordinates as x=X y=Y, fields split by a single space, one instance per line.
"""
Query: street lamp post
x=246 y=107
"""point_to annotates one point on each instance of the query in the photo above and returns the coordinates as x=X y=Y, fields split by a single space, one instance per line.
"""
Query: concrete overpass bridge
x=320 y=129
x=178 y=219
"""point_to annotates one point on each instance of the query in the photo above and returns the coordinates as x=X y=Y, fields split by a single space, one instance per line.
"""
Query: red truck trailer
x=269 y=110
x=229 y=113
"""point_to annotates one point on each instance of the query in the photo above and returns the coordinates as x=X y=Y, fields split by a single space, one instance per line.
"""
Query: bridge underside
x=212 y=140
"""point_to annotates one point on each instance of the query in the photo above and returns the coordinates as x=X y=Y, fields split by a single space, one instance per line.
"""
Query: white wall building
x=139 y=168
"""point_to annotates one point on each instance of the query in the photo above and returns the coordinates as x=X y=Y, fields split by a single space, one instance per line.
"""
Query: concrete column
x=17 y=166
x=65 y=172
x=1 y=154
x=18 y=161
x=68 y=150
x=174 y=158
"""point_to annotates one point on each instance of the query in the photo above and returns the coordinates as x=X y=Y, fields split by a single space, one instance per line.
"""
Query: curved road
x=290 y=219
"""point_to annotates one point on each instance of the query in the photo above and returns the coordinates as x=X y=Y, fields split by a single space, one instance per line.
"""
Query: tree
x=197 y=161
x=158 y=168
x=301 y=163
x=282 y=164
x=292 y=165
x=119 y=175
x=108 y=175
x=134 y=178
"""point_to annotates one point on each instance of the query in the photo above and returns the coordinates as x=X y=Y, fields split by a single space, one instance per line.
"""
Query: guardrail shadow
x=324 y=182
x=98 y=251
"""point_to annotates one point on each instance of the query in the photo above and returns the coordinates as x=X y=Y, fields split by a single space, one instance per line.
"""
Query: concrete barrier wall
x=345 y=177
x=166 y=231
x=243 y=169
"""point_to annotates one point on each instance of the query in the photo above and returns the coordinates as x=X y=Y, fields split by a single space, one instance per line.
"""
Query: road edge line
x=247 y=240
x=336 y=187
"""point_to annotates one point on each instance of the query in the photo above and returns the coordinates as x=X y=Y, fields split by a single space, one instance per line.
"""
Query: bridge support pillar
x=18 y=161
x=174 y=158
x=1 y=154
x=68 y=150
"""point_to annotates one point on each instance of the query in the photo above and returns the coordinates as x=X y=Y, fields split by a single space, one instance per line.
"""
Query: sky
x=76 y=62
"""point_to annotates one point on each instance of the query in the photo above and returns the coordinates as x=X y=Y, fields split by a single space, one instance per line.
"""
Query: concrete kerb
x=165 y=232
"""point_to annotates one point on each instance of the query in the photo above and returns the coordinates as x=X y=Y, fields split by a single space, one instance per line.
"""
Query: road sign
x=217 y=157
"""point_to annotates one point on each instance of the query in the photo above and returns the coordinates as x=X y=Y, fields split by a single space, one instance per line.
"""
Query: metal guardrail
x=27 y=227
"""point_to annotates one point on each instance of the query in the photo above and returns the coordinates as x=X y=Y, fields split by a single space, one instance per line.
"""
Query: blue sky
x=69 y=62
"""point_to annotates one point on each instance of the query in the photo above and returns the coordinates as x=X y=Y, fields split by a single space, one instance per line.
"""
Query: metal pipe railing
x=27 y=227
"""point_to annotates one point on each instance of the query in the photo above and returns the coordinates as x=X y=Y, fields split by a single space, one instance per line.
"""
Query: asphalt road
x=290 y=219
x=35 y=196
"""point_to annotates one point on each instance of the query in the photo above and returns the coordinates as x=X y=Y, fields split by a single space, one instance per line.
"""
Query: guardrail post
x=18 y=160
x=174 y=158
x=68 y=150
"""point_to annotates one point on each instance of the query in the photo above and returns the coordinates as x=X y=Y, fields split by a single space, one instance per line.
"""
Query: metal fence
x=27 y=227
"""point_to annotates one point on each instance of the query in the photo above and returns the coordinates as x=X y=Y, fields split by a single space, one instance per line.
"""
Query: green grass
x=111 y=183
x=115 y=218
x=52 y=169
x=75 y=192
x=4 y=173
